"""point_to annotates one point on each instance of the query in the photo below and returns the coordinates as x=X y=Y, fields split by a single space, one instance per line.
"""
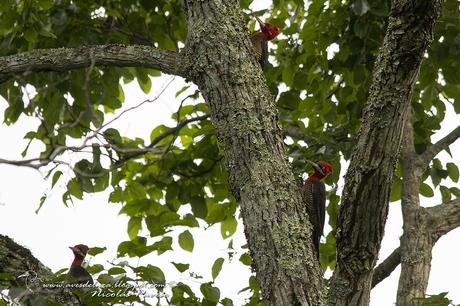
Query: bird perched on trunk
x=261 y=38
x=77 y=274
x=314 y=197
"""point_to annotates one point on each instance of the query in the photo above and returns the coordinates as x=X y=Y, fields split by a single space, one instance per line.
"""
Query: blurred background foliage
x=320 y=73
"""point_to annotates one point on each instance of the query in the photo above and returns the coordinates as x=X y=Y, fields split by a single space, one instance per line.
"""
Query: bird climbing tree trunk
x=246 y=120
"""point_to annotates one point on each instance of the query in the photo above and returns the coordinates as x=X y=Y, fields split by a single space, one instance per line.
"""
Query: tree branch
x=160 y=137
x=37 y=163
x=28 y=273
x=17 y=259
x=63 y=59
x=365 y=197
x=384 y=270
x=437 y=147
x=446 y=217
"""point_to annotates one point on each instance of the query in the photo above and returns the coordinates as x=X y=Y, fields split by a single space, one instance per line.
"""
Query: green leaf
x=199 y=208
x=165 y=244
x=180 y=91
x=246 y=259
x=226 y=302
x=134 y=226
x=228 y=227
x=95 y=268
x=455 y=191
x=453 y=171
x=436 y=300
x=151 y=274
x=96 y=250
x=217 y=267
x=116 y=271
x=426 y=190
x=143 y=80
x=288 y=74
x=40 y=204
x=359 y=75
x=210 y=293
x=117 y=195
x=161 y=129
x=445 y=194
x=289 y=100
x=45 y=4
x=74 y=189
x=186 y=241
x=56 y=177
x=181 y=267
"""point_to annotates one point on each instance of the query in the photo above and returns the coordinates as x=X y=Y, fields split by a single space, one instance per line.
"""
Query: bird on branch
x=314 y=197
x=261 y=38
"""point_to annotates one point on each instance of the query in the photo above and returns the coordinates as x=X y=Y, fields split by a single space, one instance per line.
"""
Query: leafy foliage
x=321 y=73
x=437 y=300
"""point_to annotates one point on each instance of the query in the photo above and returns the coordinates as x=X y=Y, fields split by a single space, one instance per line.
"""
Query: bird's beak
x=315 y=166
x=262 y=24
x=71 y=248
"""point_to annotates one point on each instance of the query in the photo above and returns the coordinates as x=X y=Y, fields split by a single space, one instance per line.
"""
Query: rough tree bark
x=217 y=58
x=246 y=120
x=422 y=227
x=368 y=181
x=64 y=59
x=416 y=242
x=28 y=273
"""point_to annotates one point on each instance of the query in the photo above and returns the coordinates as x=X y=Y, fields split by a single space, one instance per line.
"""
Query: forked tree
x=367 y=81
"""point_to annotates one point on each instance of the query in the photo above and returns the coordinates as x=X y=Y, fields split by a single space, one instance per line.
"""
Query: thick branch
x=27 y=274
x=384 y=270
x=446 y=217
x=64 y=59
x=15 y=259
x=365 y=199
x=247 y=126
x=442 y=144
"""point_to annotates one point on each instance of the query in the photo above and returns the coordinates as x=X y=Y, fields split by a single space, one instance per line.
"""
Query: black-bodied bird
x=314 y=196
x=77 y=274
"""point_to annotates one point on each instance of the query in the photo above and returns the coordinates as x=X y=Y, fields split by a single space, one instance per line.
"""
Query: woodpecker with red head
x=261 y=38
x=77 y=274
x=314 y=196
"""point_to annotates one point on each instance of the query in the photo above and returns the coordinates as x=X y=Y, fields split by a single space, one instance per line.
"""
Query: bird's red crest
x=321 y=170
x=269 y=31
x=326 y=167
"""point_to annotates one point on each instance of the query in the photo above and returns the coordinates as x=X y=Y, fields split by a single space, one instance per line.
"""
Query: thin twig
x=442 y=144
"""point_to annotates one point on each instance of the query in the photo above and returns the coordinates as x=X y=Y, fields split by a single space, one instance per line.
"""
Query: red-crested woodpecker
x=261 y=38
x=78 y=274
x=314 y=196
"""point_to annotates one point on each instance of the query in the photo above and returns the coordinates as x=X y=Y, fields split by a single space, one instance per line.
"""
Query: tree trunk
x=369 y=178
x=217 y=59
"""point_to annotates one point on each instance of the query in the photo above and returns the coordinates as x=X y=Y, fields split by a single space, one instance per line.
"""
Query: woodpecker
x=314 y=196
x=77 y=274
x=261 y=38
